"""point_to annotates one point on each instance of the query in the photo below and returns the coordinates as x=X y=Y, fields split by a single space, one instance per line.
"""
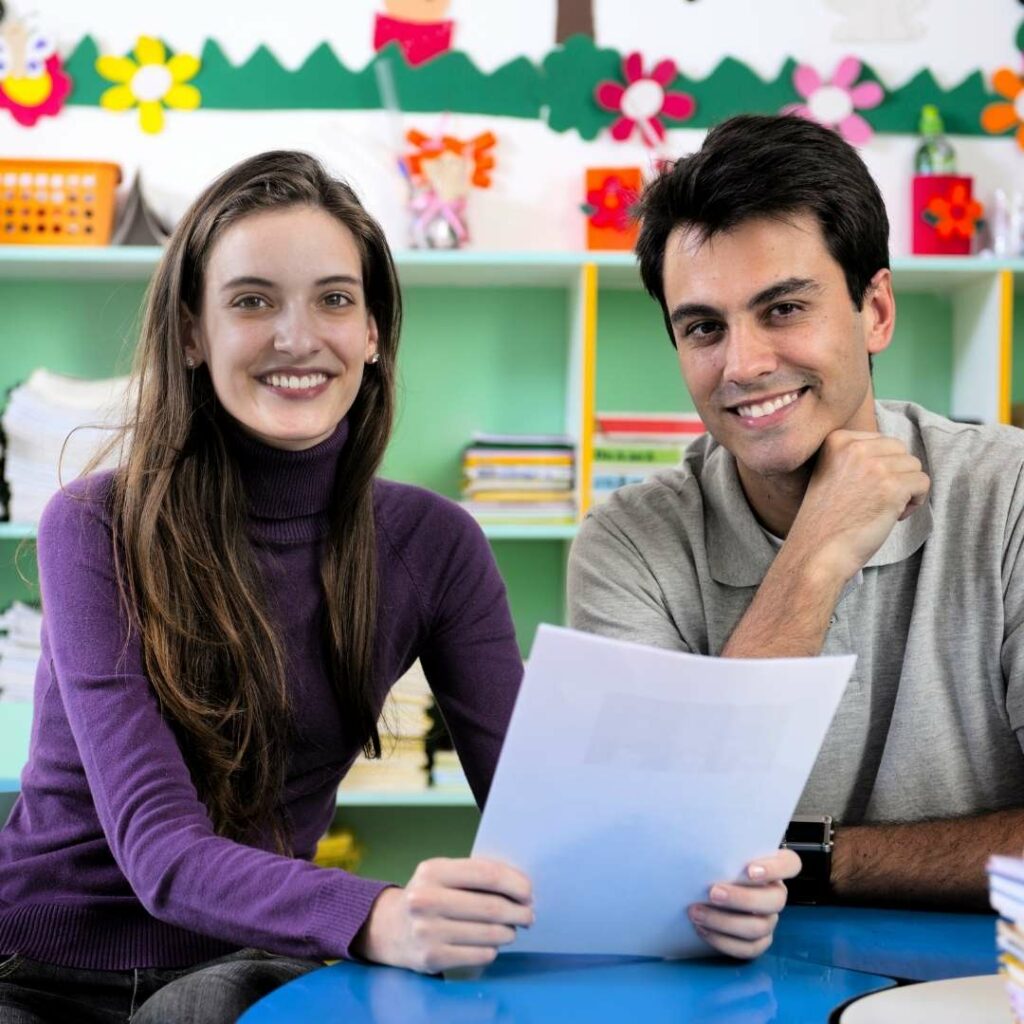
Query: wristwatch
x=810 y=837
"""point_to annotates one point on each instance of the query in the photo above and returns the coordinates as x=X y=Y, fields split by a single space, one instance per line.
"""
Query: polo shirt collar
x=739 y=554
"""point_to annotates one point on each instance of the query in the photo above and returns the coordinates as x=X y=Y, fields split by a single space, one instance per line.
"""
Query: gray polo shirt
x=929 y=725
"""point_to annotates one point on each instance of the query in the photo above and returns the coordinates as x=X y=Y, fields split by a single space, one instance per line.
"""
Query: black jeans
x=215 y=992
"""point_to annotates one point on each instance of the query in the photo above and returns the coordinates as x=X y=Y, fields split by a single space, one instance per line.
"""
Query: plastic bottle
x=935 y=155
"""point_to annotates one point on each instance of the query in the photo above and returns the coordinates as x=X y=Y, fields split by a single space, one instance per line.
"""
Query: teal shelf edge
x=17 y=531
x=27 y=531
x=470 y=266
x=415 y=798
x=355 y=798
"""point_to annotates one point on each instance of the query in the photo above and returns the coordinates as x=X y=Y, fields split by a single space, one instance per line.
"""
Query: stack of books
x=519 y=479
x=53 y=426
x=1006 y=894
x=404 y=724
x=19 y=651
x=629 y=448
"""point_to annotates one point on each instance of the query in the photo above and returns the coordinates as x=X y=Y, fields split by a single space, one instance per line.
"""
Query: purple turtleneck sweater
x=109 y=860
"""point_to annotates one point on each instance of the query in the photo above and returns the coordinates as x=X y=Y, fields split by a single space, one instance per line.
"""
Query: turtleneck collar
x=288 y=492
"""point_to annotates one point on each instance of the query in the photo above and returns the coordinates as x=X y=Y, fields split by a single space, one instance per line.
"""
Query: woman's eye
x=250 y=302
x=337 y=299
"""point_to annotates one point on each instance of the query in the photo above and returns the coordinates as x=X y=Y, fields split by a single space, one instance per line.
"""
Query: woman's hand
x=740 y=918
x=452 y=913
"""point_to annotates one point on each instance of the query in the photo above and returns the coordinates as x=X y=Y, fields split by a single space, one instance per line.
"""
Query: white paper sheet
x=632 y=778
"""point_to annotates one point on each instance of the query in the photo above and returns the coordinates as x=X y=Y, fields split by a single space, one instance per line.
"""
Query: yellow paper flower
x=151 y=81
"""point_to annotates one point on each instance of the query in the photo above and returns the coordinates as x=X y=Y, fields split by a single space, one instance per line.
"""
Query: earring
x=190 y=362
x=374 y=359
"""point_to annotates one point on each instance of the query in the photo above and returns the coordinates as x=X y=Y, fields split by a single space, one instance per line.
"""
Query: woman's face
x=284 y=327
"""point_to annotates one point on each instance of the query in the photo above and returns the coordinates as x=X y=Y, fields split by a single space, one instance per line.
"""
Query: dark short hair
x=768 y=166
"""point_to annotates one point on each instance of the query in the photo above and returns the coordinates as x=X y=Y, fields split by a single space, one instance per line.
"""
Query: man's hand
x=452 y=913
x=740 y=918
x=862 y=485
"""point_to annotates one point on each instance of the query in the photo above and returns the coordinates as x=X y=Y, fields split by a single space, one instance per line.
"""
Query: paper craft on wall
x=150 y=81
x=835 y=103
x=419 y=27
x=560 y=90
x=879 y=21
x=644 y=100
x=1002 y=116
x=574 y=18
x=138 y=224
x=443 y=170
x=33 y=83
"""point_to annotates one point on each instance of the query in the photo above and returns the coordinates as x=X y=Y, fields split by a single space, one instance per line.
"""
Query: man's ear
x=879 y=312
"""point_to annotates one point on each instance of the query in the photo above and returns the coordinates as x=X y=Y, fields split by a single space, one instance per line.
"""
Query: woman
x=223 y=618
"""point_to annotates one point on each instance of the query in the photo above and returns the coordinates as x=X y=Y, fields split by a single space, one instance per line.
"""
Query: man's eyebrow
x=687 y=309
x=774 y=292
x=262 y=282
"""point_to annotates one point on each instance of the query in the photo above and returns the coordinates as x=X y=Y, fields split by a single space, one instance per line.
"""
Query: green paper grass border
x=559 y=90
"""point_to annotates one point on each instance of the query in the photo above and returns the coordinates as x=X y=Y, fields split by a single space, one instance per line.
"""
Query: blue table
x=822 y=958
x=911 y=945
x=530 y=989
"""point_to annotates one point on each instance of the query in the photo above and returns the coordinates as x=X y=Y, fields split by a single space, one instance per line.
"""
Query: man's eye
x=786 y=309
x=704 y=330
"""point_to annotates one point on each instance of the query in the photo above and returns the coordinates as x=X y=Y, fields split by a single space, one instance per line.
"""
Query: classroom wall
x=534 y=200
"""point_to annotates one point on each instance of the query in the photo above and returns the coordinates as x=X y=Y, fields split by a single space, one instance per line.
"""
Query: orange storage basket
x=56 y=202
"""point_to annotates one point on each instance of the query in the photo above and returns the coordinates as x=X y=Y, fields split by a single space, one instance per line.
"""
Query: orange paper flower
x=430 y=147
x=954 y=213
x=1000 y=117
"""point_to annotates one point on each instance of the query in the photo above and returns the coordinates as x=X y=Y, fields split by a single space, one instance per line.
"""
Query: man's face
x=771 y=347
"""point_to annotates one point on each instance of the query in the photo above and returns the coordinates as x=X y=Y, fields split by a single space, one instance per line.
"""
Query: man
x=812 y=519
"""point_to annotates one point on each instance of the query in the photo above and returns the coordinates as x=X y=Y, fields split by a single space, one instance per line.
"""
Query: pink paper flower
x=834 y=103
x=643 y=100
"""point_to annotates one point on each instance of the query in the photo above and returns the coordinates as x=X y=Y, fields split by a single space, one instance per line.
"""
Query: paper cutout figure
x=946 y=217
x=150 y=81
x=1001 y=117
x=443 y=170
x=574 y=18
x=834 y=103
x=418 y=26
x=879 y=21
x=644 y=100
x=139 y=225
x=612 y=193
x=33 y=83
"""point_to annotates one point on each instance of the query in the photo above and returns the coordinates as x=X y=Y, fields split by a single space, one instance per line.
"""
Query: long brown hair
x=190 y=582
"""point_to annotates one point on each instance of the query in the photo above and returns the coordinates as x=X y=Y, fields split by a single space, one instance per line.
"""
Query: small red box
x=945 y=215
x=612 y=192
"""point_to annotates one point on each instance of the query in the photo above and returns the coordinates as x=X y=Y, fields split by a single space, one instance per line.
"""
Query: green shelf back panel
x=19 y=574
x=534 y=573
x=918 y=364
x=396 y=840
x=1017 y=374
x=81 y=328
x=491 y=359
x=637 y=368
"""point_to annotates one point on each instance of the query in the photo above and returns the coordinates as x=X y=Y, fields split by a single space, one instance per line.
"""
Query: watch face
x=809 y=830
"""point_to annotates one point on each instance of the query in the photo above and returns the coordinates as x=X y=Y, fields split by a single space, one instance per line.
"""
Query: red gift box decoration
x=946 y=216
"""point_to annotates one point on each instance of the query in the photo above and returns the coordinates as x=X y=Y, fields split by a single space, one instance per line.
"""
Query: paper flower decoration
x=474 y=153
x=955 y=213
x=610 y=204
x=834 y=103
x=999 y=117
x=151 y=82
x=443 y=170
x=644 y=100
x=32 y=79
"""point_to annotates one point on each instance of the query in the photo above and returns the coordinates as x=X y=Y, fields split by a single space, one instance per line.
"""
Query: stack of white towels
x=53 y=426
